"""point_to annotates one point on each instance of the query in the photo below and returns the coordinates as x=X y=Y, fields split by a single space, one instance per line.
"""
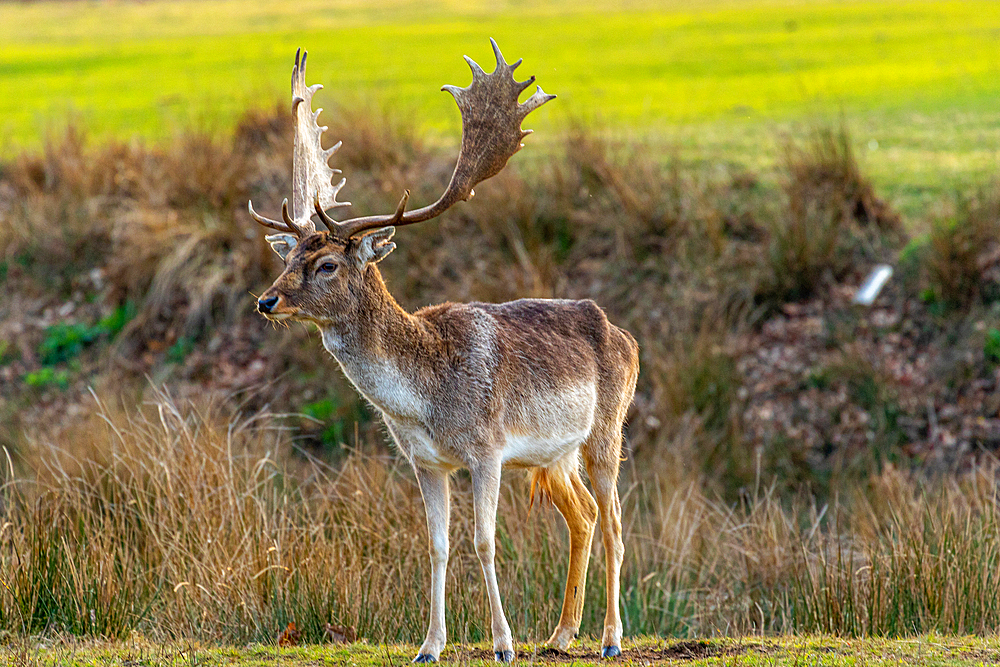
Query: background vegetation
x=177 y=468
x=918 y=79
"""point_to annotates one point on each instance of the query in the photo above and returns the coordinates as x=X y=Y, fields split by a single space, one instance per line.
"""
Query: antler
x=312 y=176
x=491 y=134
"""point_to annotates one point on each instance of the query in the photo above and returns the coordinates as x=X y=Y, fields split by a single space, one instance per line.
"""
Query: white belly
x=543 y=429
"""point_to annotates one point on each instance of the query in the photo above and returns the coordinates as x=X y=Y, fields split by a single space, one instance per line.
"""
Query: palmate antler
x=491 y=134
x=312 y=176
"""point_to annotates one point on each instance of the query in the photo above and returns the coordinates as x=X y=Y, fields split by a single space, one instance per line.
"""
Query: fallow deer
x=529 y=384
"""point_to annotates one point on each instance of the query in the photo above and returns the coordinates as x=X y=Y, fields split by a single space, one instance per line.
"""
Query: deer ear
x=282 y=244
x=374 y=247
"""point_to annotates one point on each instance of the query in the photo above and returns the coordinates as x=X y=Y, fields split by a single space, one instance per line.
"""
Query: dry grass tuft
x=828 y=171
x=962 y=255
x=834 y=223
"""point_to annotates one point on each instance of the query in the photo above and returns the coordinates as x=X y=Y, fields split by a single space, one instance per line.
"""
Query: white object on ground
x=873 y=284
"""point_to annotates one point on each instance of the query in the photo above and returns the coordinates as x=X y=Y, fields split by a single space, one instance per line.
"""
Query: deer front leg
x=435 y=491
x=485 y=495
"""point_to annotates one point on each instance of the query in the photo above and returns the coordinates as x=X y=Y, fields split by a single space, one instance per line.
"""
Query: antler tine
x=324 y=217
x=537 y=99
x=398 y=215
x=274 y=224
x=491 y=134
x=500 y=59
x=299 y=231
x=295 y=76
x=477 y=71
x=511 y=67
x=336 y=227
x=330 y=223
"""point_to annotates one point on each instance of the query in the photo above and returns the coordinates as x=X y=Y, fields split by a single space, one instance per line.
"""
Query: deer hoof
x=504 y=656
x=610 y=652
x=425 y=657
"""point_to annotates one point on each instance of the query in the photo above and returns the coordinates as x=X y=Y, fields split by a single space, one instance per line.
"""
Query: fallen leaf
x=290 y=636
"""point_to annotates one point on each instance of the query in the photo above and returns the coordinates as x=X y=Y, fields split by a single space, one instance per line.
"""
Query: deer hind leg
x=485 y=495
x=602 y=459
x=563 y=484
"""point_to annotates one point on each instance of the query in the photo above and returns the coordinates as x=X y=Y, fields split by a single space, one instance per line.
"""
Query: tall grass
x=180 y=523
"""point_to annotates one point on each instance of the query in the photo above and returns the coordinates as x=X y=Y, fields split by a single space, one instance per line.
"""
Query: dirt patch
x=685 y=650
x=543 y=654
x=986 y=656
x=553 y=654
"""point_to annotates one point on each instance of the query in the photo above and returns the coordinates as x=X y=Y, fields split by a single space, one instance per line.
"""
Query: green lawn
x=751 y=652
x=919 y=82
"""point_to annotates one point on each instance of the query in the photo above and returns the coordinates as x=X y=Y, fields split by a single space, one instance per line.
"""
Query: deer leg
x=577 y=507
x=485 y=495
x=602 y=468
x=435 y=491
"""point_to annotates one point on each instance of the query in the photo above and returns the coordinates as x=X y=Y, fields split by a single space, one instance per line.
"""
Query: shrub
x=66 y=340
x=961 y=254
x=832 y=220
x=47 y=377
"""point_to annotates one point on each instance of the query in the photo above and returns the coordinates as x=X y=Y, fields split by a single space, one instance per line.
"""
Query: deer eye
x=327 y=267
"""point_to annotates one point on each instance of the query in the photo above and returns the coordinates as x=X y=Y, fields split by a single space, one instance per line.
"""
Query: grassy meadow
x=917 y=80
x=185 y=531
x=822 y=651
x=805 y=480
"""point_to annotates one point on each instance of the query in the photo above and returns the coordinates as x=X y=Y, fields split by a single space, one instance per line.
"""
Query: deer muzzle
x=266 y=306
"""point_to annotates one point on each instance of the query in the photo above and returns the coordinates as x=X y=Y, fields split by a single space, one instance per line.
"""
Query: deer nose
x=265 y=305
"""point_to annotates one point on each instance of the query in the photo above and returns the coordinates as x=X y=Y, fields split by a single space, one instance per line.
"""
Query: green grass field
x=815 y=651
x=917 y=81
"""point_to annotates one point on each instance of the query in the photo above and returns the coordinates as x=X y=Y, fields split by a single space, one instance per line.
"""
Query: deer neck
x=378 y=346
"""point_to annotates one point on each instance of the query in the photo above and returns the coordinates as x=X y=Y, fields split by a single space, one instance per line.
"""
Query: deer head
x=324 y=269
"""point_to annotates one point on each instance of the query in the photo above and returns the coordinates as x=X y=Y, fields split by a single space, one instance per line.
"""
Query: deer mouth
x=268 y=307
